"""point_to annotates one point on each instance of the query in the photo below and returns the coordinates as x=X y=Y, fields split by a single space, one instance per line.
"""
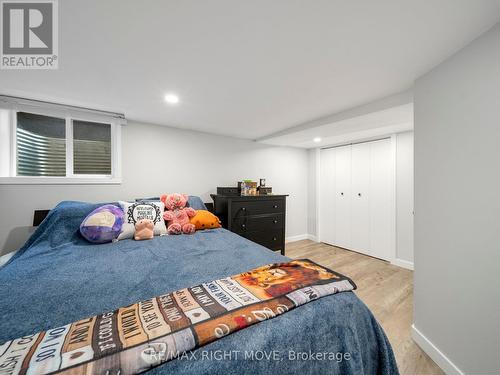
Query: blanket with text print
x=138 y=337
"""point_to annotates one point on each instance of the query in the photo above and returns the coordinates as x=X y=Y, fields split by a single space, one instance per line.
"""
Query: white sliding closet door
x=359 y=214
x=327 y=195
x=342 y=212
x=360 y=198
x=381 y=199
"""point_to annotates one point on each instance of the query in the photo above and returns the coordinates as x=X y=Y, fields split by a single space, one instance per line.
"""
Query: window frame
x=69 y=116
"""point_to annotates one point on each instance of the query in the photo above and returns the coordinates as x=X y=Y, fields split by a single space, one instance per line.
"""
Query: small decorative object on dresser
x=265 y=190
x=259 y=218
x=248 y=187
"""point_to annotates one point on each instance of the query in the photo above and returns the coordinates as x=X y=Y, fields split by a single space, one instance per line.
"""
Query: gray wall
x=158 y=159
x=457 y=206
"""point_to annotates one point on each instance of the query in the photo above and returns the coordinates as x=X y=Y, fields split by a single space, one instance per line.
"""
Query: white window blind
x=40 y=145
x=91 y=148
x=50 y=143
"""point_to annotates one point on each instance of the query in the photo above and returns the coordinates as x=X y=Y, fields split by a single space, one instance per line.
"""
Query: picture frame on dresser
x=259 y=218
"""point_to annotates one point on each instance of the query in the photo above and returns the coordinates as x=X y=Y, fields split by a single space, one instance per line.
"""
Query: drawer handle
x=274 y=238
x=275 y=221
x=243 y=208
x=243 y=226
x=275 y=206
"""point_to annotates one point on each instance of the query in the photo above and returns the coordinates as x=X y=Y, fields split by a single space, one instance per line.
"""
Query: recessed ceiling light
x=171 y=99
x=317 y=139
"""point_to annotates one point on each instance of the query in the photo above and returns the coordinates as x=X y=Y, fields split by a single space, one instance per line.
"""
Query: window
x=40 y=145
x=91 y=148
x=58 y=145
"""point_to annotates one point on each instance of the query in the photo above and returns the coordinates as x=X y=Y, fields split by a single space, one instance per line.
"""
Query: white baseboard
x=297 y=238
x=300 y=237
x=402 y=263
x=432 y=351
x=312 y=237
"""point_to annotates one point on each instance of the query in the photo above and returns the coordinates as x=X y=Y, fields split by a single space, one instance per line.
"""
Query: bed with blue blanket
x=58 y=277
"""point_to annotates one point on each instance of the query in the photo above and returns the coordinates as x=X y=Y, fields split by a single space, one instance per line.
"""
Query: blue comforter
x=58 y=277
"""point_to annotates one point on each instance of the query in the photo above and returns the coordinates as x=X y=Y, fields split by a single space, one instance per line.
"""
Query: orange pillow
x=205 y=220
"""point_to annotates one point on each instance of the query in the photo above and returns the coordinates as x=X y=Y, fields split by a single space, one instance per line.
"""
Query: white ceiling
x=365 y=127
x=246 y=68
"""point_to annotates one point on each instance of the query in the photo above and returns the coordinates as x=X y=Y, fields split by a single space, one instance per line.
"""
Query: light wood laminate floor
x=386 y=289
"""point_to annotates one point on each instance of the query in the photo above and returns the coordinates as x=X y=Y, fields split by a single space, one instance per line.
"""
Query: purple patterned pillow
x=103 y=224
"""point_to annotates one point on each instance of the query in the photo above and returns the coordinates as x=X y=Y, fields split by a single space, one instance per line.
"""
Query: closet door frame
x=392 y=208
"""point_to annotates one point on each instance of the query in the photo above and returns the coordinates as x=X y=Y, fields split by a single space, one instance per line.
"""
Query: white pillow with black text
x=142 y=210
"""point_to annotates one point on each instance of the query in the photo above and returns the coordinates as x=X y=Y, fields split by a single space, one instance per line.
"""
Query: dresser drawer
x=273 y=241
x=247 y=208
x=244 y=224
x=259 y=218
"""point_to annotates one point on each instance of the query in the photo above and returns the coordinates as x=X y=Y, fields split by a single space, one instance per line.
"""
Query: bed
x=58 y=277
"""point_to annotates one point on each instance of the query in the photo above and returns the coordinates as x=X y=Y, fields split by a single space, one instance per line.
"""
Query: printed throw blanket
x=143 y=335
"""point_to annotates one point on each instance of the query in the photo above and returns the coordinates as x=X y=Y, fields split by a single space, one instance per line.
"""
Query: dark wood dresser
x=259 y=218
